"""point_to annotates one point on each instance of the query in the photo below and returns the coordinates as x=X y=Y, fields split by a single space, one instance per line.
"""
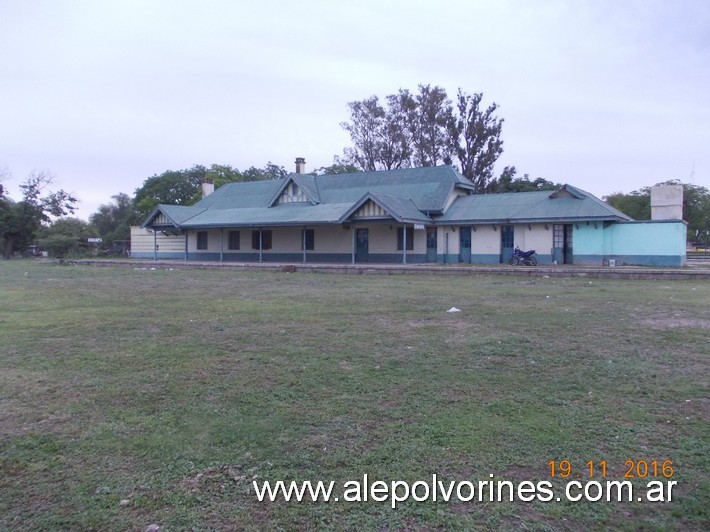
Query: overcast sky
x=607 y=95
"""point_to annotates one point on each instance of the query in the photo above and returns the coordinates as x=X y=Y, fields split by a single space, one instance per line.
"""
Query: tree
x=636 y=204
x=474 y=137
x=181 y=187
x=270 y=171
x=696 y=209
x=184 y=187
x=382 y=136
x=366 y=118
x=3 y=174
x=395 y=143
x=507 y=182
x=431 y=119
x=20 y=221
x=425 y=129
x=113 y=221
x=65 y=236
x=338 y=167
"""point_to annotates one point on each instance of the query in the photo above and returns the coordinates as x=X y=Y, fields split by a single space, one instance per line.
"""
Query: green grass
x=172 y=389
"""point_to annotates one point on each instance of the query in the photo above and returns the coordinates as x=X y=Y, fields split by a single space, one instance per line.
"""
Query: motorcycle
x=527 y=258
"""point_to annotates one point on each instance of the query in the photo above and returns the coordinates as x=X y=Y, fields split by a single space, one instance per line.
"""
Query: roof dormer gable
x=297 y=189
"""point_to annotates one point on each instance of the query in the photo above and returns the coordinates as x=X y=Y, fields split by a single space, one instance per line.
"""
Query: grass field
x=131 y=397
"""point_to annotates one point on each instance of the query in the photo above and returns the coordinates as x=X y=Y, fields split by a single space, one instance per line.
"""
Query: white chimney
x=207 y=187
x=667 y=202
x=300 y=165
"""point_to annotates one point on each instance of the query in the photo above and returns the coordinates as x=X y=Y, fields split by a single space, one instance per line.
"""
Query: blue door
x=362 y=245
x=507 y=239
x=465 y=244
x=431 y=244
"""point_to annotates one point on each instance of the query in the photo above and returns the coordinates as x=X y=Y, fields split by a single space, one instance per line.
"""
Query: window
x=201 y=239
x=265 y=239
x=558 y=236
x=309 y=236
x=410 y=238
x=233 y=242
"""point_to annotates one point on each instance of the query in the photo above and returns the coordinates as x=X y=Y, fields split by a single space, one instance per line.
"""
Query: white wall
x=485 y=241
x=535 y=237
x=142 y=242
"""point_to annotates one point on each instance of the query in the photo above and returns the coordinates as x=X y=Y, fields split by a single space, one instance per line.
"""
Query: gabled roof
x=427 y=187
x=567 y=204
x=401 y=209
x=305 y=182
x=171 y=215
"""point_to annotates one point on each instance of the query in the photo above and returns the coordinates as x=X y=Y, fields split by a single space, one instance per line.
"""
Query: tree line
x=42 y=217
x=403 y=130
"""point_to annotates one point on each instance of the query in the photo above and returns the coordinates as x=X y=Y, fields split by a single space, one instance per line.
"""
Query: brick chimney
x=300 y=165
x=207 y=187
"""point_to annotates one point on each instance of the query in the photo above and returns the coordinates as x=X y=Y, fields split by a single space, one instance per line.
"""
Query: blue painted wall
x=651 y=243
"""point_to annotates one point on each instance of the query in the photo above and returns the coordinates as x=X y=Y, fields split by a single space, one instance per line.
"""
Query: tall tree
x=366 y=119
x=425 y=129
x=394 y=136
x=20 y=221
x=474 y=137
x=431 y=119
x=382 y=136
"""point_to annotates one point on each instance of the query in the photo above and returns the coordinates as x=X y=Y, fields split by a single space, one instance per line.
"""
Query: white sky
x=607 y=95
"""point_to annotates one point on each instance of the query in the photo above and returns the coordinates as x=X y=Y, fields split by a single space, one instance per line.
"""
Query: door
x=431 y=244
x=562 y=243
x=567 y=250
x=465 y=244
x=507 y=239
x=362 y=245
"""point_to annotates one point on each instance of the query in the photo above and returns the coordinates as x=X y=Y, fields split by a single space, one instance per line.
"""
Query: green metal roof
x=242 y=194
x=567 y=204
x=428 y=188
x=283 y=215
x=408 y=195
